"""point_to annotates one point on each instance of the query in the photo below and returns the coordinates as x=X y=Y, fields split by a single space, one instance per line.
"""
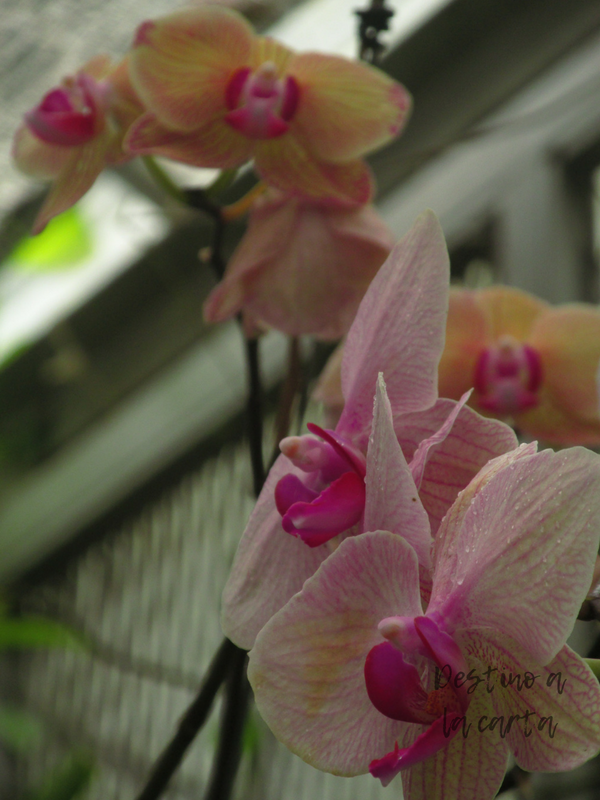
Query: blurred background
x=124 y=477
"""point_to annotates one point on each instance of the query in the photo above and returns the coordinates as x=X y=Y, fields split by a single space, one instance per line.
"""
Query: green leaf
x=65 y=242
x=25 y=632
x=19 y=730
x=68 y=781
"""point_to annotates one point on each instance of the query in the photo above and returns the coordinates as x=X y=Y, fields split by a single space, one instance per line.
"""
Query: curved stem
x=163 y=180
x=254 y=415
x=222 y=664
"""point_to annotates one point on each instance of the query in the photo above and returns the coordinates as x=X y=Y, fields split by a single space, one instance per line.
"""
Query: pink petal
x=302 y=267
x=471 y=443
x=346 y=109
x=392 y=500
x=77 y=175
x=307 y=666
x=394 y=686
x=423 y=451
x=269 y=567
x=337 y=508
x=399 y=328
x=468 y=768
x=286 y=164
x=342 y=447
x=180 y=64
x=212 y=145
x=290 y=490
x=564 y=692
x=537 y=520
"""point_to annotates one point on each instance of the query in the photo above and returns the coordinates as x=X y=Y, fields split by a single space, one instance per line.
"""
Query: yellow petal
x=286 y=164
x=551 y=425
x=37 y=158
x=181 y=64
x=466 y=336
x=266 y=49
x=346 y=109
x=509 y=311
x=568 y=341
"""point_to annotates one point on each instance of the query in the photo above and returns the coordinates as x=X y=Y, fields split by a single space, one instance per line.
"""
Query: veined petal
x=84 y=165
x=346 y=108
x=399 y=328
x=472 y=442
x=470 y=767
x=426 y=446
x=286 y=164
x=213 y=145
x=307 y=666
x=392 y=500
x=264 y=48
x=509 y=311
x=536 y=519
x=466 y=335
x=568 y=342
x=36 y=158
x=555 y=715
x=180 y=64
x=269 y=567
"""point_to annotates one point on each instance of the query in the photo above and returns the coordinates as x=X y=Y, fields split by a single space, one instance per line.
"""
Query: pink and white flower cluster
x=395 y=564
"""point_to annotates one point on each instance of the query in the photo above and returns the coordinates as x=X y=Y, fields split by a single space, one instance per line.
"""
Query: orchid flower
x=527 y=360
x=315 y=493
x=217 y=96
x=75 y=131
x=302 y=267
x=355 y=675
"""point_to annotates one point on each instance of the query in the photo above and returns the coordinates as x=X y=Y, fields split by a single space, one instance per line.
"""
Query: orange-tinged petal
x=37 y=158
x=346 y=108
x=80 y=171
x=215 y=144
x=286 y=164
x=181 y=64
x=466 y=336
x=552 y=425
x=568 y=341
x=266 y=49
x=509 y=311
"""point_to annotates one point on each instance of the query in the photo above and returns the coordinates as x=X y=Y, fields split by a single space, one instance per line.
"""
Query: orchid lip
x=508 y=375
x=260 y=104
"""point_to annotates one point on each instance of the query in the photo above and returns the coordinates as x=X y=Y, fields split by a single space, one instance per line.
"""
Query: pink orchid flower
x=355 y=675
x=316 y=492
x=217 y=96
x=302 y=267
x=75 y=131
x=528 y=361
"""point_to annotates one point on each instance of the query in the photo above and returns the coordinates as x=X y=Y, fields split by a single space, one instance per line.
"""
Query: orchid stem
x=244 y=204
x=223 y=664
x=221 y=183
x=229 y=751
x=289 y=390
x=254 y=414
x=163 y=180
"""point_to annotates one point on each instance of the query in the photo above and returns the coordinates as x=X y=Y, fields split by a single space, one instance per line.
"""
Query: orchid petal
x=509 y=311
x=467 y=334
x=337 y=508
x=399 y=328
x=269 y=567
x=79 y=172
x=180 y=65
x=36 y=158
x=469 y=767
x=307 y=663
x=537 y=520
x=468 y=447
x=556 y=426
x=346 y=108
x=342 y=447
x=423 y=451
x=212 y=145
x=286 y=164
x=392 y=501
x=290 y=490
x=556 y=714
x=567 y=340
x=394 y=686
